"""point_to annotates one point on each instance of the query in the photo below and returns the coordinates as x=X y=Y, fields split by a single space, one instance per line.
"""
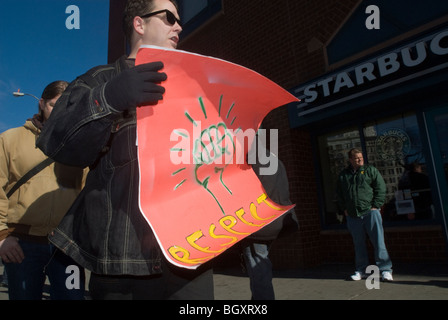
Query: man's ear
x=139 y=25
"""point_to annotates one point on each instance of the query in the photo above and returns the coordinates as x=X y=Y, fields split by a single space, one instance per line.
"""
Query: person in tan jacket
x=30 y=214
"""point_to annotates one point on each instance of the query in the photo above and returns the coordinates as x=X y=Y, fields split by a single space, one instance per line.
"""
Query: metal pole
x=21 y=94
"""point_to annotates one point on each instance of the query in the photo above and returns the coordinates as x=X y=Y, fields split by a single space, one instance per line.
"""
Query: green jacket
x=358 y=192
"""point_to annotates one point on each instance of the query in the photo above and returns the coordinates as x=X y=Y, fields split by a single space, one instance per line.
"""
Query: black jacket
x=276 y=186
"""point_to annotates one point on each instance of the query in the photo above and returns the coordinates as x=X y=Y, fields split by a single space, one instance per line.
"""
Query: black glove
x=136 y=87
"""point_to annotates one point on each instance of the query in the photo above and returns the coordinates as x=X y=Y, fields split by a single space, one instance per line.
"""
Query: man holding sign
x=118 y=120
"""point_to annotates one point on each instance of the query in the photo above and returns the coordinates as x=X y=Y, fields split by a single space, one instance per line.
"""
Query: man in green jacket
x=361 y=191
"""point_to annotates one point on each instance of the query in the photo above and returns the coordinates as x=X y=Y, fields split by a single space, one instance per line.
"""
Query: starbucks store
x=394 y=107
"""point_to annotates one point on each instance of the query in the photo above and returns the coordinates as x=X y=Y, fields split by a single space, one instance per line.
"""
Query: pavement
x=417 y=281
x=332 y=282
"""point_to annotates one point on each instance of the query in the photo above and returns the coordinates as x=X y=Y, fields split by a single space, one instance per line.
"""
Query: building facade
x=371 y=75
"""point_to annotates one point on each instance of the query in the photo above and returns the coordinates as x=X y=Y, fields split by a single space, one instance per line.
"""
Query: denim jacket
x=104 y=230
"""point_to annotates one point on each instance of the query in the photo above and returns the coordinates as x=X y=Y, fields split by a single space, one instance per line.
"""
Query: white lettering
x=324 y=84
x=187 y=310
x=388 y=64
x=241 y=309
x=311 y=93
x=373 y=281
x=73 y=21
x=263 y=156
x=180 y=153
x=435 y=44
x=73 y=280
x=216 y=146
x=343 y=80
x=364 y=71
x=421 y=55
x=373 y=21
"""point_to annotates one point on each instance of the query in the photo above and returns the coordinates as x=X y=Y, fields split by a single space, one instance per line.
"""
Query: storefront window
x=394 y=146
x=333 y=149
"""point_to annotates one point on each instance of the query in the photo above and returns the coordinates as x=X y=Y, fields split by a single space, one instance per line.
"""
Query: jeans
x=259 y=269
x=26 y=279
x=372 y=225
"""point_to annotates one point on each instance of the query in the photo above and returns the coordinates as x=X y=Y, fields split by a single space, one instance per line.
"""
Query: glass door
x=437 y=126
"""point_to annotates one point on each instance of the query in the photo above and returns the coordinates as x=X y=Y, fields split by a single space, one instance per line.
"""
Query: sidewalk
x=330 y=282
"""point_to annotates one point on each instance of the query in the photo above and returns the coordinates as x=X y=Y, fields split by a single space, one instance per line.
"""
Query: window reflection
x=393 y=145
x=333 y=150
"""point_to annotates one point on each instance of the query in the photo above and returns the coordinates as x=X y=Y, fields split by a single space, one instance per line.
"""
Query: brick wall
x=283 y=40
x=417 y=244
x=279 y=39
x=405 y=245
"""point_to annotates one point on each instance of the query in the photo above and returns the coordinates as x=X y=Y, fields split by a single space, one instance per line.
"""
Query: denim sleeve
x=79 y=126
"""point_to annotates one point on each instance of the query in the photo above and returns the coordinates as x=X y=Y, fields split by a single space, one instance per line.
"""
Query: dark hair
x=54 y=89
x=136 y=8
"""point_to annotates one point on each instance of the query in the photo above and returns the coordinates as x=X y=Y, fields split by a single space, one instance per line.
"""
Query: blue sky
x=37 y=47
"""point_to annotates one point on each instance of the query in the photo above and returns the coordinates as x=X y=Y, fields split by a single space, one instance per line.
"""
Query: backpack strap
x=29 y=174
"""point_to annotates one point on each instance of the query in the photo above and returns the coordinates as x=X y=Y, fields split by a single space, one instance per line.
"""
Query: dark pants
x=259 y=269
x=173 y=284
x=26 y=280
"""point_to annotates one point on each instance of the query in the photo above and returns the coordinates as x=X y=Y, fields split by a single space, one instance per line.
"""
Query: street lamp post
x=21 y=94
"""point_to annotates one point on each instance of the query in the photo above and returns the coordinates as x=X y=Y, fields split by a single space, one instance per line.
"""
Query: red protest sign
x=196 y=191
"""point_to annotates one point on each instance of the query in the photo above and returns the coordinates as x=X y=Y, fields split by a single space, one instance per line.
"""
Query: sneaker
x=358 y=276
x=386 y=276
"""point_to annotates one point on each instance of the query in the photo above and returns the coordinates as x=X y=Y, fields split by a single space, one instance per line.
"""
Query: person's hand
x=135 y=87
x=10 y=250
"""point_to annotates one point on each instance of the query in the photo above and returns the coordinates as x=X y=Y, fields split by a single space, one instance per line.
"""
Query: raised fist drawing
x=212 y=153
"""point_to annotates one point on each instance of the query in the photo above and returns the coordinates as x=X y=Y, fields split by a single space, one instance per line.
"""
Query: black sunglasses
x=170 y=17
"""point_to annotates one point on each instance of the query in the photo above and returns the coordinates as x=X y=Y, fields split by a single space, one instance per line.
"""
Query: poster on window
x=198 y=192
